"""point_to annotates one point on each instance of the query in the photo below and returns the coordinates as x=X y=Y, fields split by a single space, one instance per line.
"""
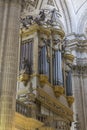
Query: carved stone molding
x=76 y=41
x=29 y=5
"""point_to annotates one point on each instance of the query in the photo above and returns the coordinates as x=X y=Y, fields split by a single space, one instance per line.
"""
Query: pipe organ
x=26 y=55
x=44 y=85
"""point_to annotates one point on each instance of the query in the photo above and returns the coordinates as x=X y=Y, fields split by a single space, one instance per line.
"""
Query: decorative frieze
x=45 y=17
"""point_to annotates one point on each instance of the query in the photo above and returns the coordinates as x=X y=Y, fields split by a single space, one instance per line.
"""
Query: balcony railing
x=23 y=109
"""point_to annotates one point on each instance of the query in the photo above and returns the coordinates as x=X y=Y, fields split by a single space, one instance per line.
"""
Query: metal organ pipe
x=57 y=69
x=27 y=53
x=43 y=65
x=69 y=84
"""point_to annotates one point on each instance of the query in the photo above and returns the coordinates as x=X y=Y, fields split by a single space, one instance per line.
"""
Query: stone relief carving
x=29 y=5
x=57 y=43
x=45 y=17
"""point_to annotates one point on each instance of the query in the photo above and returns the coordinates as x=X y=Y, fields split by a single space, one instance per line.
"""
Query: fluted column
x=9 y=25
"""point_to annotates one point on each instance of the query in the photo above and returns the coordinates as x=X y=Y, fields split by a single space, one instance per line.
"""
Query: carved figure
x=57 y=44
x=29 y=19
x=25 y=65
x=40 y=17
x=54 y=16
x=45 y=17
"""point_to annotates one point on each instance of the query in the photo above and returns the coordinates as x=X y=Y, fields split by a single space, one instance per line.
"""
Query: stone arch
x=82 y=25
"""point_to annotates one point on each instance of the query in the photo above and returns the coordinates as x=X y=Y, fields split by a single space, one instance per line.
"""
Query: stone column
x=35 y=53
x=9 y=29
x=78 y=103
x=85 y=95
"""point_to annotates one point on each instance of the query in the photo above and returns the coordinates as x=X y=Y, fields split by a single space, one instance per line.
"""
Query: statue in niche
x=26 y=67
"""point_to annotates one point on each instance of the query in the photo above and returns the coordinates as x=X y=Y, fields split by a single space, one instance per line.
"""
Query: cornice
x=44 y=30
x=77 y=44
x=34 y=28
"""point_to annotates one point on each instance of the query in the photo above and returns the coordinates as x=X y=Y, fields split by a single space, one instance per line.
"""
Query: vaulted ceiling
x=78 y=4
x=76 y=15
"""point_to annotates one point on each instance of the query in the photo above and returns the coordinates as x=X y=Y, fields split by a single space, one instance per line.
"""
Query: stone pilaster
x=35 y=53
x=78 y=104
x=9 y=25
